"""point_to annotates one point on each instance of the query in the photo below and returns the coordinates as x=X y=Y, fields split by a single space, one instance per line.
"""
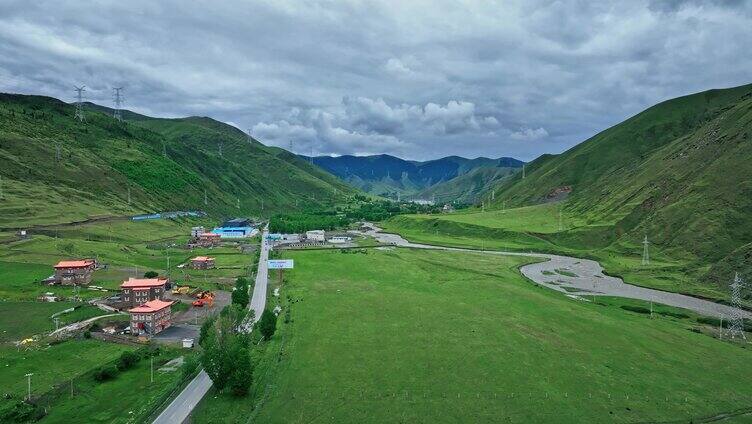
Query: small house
x=136 y=291
x=208 y=240
x=197 y=231
x=74 y=272
x=340 y=239
x=203 y=262
x=316 y=235
x=150 y=318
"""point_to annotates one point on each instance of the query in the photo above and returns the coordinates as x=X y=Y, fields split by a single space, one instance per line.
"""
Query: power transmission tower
x=645 y=251
x=220 y=149
x=57 y=151
x=493 y=195
x=164 y=149
x=736 y=320
x=79 y=103
x=250 y=138
x=206 y=200
x=238 y=202
x=561 y=222
x=523 y=171
x=290 y=146
x=118 y=100
x=129 y=195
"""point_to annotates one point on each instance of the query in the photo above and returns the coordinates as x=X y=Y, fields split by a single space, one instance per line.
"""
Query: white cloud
x=528 y=134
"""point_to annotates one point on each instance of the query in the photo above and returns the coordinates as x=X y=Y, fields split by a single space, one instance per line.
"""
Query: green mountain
x=390 y=176
x=165 y=164
x=679 y=172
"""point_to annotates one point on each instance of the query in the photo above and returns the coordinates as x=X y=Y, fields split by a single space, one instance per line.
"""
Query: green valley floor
x=401 y=335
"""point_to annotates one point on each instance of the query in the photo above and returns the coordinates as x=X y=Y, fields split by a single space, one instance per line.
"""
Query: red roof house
x=74 y=272
x=136 y=291
x=151 y=317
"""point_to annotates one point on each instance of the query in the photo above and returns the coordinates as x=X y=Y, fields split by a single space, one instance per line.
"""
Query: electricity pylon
x=736 y=320
x=79 y=103
x=118 y=100
x=645 y=251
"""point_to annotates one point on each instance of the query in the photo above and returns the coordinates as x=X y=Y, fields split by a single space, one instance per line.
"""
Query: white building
x=339 y=239
x=315 y=235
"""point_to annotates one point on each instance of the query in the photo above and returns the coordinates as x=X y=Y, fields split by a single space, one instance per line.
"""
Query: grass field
x=52 y=364
x=536 y=228
x=420 y=336
x=128 y=398
x=19 y=320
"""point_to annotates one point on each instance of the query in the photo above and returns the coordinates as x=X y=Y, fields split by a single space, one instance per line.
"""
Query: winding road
x=580 y=277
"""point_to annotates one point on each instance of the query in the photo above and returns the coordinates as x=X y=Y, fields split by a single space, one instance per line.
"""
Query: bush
x=637 y=309
x=267 y=325
x=127 y=360
x=87 y=334
x=22 y=412
x=189 y=366
x=151 y=274
x=674 y=314
x=105 y=373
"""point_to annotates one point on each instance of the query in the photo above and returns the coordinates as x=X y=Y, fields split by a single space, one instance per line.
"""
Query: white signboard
x=280 y=263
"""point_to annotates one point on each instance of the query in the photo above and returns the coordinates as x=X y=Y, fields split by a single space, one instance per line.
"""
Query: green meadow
x=405 y=335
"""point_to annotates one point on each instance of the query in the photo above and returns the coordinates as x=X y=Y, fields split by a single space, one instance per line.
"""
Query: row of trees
x=227 y=349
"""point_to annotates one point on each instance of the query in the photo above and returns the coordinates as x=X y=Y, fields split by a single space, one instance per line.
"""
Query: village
x=169 y=308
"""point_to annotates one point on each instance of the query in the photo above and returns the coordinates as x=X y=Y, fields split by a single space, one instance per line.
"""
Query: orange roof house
x=151 y=317
x=73 y=272
x=151 y=306
x=136 y=291
x=202 y=262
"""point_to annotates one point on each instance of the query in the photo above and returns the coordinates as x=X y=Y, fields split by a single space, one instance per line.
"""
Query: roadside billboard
x=280 y=263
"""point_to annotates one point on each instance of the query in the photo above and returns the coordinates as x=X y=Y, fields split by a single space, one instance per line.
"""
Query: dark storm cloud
x=417 y=79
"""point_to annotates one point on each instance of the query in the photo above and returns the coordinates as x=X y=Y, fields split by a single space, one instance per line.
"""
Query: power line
x=79 y=103
x=118 y=100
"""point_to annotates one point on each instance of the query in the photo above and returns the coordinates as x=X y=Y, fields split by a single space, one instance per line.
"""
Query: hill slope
x=678 y=172
x=165 y=164
x=387 y=175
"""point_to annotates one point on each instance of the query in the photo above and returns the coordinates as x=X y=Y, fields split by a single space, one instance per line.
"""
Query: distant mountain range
x=445 y=179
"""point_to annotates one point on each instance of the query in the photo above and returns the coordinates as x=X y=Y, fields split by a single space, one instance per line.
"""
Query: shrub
x=22 y=412
x=127 y=360
x=151 y=274
x=189 y=366
x=674 y=314
x=267 y=325
x=87 y=334
x=637 y=309
x=105 y=373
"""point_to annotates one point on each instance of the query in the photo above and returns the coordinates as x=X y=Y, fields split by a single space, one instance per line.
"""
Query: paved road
x=182 y=405
x=76 y=326
x=180 y=408
x=589 y=279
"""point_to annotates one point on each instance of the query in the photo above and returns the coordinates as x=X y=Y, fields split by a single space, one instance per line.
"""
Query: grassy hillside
x=678 y=172
x=165 y=163
x=468 y=187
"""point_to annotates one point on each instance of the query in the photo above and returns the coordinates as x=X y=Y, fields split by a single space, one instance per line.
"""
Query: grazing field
x=423 y=336
x=52 y=364
x=535 y=228
x=130 y=397
x=19 y=320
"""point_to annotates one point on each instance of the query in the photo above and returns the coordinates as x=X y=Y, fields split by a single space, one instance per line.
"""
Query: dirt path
x=578 y=277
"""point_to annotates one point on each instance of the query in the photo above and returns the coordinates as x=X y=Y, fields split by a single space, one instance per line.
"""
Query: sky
x=416 y=79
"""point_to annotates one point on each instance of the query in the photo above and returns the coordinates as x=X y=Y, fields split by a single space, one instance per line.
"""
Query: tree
x=226 y=357
x=151 y=274
x=127 y=360
x=267 y=324
x=240 y=295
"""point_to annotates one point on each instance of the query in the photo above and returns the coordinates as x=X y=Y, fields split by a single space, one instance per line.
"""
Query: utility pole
x=262 y=205
x=28 y=378
x=645 y=251
x=57 y=151
x=57 y=323
x=164 y=149
x=168 y=261
x=79 y=103
x=220 y=149
x=736 y=320
x=561 y=224
x=118 y=100
x=523 y=171
x=206 y=200
x=290 y=146
x=238 y=202
x=129 y=194
x=151 y=368
x=1 y=187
